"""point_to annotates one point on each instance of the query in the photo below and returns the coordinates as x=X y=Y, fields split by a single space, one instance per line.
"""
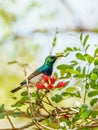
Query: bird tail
x=16 y=89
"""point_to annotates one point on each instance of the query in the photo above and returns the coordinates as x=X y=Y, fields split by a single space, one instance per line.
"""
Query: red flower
x=52 y=80
x=49 y=83
x=61 y=84
x=50 y=86
x=45 y=78
x=65 y=116
x=40 y=86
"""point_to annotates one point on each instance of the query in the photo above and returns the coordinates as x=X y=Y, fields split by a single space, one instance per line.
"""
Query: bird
x=46 y=69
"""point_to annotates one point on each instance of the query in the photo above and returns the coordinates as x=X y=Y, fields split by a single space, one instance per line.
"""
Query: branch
x=42 y=118
x=28 y=125
x=9 y=120
x=93 y=125
x=29 y=96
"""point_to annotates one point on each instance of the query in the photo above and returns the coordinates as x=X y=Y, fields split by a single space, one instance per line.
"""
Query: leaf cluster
x=48 y=106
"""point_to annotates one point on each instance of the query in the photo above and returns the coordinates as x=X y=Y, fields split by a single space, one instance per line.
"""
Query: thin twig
x=29 y=96
x=57 y=117
x=42 y=106
x=44 y=126
x=49 y=101
x=37 y=125
x=93 y=125
x=54 y=42
x=85 y=93
x=9 y=120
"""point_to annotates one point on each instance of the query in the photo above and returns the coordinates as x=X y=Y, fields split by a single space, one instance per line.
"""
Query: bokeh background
x=27 y=28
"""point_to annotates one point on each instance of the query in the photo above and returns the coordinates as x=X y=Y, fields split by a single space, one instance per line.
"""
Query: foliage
x=45 y=104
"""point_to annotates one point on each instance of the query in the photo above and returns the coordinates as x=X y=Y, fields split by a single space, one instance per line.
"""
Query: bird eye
x=52 y=57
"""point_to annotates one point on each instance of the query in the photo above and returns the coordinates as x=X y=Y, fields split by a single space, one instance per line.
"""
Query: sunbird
x=46 y=69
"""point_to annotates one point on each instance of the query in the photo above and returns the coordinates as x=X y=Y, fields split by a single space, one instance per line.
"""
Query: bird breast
x=35 y=79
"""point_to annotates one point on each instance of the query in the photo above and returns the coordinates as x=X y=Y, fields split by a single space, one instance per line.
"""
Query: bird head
x=51 y=59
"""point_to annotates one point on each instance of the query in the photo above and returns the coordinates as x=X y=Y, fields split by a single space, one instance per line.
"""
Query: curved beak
x=59 y=56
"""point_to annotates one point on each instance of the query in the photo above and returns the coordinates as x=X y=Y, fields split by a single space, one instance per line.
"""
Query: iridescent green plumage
x=46 y=69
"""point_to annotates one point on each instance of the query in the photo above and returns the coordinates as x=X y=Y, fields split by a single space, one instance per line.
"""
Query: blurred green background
x=27 y=28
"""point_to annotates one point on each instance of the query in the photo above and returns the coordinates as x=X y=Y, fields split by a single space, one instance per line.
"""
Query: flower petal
x=45 y=78
x=61 y=84
x=65 y=116
x=40 y=86
x=50 y=86
x=52 y=79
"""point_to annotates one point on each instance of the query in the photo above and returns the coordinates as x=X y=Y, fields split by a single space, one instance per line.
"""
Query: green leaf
x=72 y=71
x=25 y=93
x=18 y=104
x=85 y=40
x=33 y=94
x=92 y=93
x=86 y=48
x=94 y=114
x=93 y=101
x=84 y=70
x=70 y=89
x=68 y=49
x=75 y=48
x=89 y=58
x=2 y=115
x=17 y=114
x=15 y=98
x=84 y=107
x=93 y=85
x=95 y=70
x=57 y=98
x=96 y=62
x=78 y=69
x=81 y=36
x=86 y=128
x=55 y=74
x=55 y=39
x=76 y=118
x=80 y=56
x=87 y=85
x=13 y=62
x=2 y=107
x=96 y=52
x=67 y=94
x=85 y=114
x=84 y=111
x=77 y=94
x=24 y=98
x=79 y=76
x=64 y=67
x=93 y=76
x=74 y=63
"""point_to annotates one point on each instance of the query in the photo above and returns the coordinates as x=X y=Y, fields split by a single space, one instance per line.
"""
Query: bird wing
x=35 y=73
x=24 y=82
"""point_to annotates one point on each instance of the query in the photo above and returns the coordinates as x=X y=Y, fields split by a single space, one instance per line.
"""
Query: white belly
x=34 y=80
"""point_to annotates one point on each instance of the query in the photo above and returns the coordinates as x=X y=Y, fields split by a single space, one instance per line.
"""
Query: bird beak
x=59 y=56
